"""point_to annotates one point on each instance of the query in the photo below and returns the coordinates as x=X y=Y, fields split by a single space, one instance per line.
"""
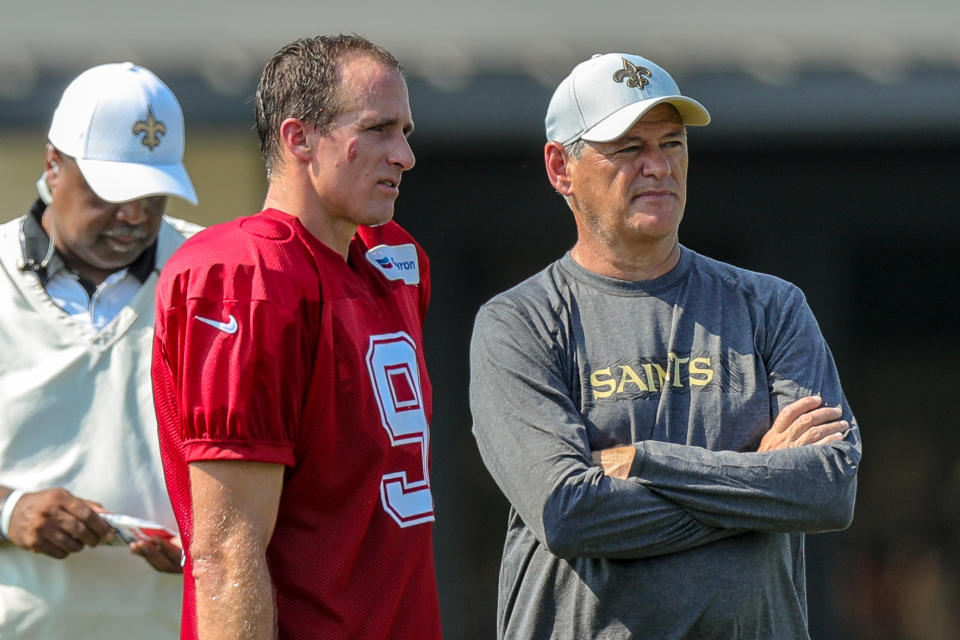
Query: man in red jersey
x=291 y=391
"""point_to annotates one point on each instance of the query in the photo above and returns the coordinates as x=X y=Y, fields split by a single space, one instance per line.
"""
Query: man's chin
x=661 y=220
x=377 y=218
x=115 y=260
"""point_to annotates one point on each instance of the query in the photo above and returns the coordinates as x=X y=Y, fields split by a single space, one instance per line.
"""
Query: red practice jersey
x=271 y=348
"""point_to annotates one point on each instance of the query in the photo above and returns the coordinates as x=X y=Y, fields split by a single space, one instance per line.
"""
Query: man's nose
x=133 y=212
x=403 y=155
x=655 y=163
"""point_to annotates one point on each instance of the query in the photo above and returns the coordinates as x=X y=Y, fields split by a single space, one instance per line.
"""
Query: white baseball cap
x=604 y=96
x=124 y=127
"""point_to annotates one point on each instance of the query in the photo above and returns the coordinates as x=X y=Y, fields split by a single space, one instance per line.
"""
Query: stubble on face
x=361 y=159
x=96 y=237
x=628 y=195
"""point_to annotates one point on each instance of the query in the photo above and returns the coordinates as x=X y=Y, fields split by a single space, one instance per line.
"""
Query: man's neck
x=633 y=263
x=299 y=200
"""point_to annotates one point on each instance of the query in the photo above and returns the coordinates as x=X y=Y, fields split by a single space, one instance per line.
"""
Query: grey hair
x=575 y=148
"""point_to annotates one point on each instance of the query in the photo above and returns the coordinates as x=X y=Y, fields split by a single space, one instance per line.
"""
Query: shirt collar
x=36 y=244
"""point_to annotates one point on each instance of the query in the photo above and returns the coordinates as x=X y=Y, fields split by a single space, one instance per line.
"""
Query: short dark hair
x=301 y=81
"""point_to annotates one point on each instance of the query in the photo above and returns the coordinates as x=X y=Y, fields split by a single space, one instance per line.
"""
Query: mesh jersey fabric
x=317 y=365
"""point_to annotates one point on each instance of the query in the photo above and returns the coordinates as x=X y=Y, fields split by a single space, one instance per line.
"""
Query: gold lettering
x=628 y=375
x=661 y=374
x=596 y=381
x=677 y=361
x=695 y=370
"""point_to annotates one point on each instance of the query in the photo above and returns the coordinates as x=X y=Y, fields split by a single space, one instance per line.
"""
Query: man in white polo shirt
x=78 y=434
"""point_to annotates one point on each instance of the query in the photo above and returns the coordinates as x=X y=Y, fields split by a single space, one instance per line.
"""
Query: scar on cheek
x=352 y=151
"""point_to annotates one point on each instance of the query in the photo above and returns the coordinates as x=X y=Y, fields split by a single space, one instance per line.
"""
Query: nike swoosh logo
x=226 y=327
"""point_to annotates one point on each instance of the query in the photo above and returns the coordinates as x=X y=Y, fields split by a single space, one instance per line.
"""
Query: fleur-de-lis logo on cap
x=635 y=76
x=151 y=128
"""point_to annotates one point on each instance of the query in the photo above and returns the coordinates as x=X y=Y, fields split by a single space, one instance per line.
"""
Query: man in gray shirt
x=666 y=427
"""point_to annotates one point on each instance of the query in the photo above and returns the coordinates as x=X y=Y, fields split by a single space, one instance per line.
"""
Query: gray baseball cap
x=603 y=97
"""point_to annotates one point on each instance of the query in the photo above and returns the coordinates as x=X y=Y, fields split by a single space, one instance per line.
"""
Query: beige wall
x=225 y=167
x=443 y=40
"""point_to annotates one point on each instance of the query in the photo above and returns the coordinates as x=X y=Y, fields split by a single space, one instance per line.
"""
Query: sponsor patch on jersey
x=396 y=262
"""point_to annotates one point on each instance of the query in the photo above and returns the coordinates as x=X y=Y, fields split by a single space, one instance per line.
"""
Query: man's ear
x=52 y=163
x=558 y=164
x=298 y=138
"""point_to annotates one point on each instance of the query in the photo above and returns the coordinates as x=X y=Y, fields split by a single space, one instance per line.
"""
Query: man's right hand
x=804 y=422
x=56 y=523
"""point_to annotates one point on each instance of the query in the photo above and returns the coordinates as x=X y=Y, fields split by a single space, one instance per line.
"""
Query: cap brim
x=124 y=181
x=618 y=123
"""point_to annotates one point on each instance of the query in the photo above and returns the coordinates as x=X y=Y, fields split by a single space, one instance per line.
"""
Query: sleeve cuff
x=247 y=451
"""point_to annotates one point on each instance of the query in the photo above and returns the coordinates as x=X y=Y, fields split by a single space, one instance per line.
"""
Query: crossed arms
x=662 y=498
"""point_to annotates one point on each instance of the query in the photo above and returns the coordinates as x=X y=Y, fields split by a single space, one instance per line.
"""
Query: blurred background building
x=832 y=162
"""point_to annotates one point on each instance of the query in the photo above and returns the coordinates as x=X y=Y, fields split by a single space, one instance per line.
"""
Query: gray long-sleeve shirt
x=704 y=539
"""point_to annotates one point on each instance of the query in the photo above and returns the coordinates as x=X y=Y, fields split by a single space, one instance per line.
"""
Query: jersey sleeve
x=239 y=364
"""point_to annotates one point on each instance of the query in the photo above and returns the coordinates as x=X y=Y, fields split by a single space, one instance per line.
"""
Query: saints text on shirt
x=652 y=375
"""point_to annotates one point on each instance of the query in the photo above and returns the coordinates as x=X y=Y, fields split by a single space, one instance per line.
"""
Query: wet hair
x=302 y=81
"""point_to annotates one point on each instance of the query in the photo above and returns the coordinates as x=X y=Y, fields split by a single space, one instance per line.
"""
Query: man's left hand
x=163 y=555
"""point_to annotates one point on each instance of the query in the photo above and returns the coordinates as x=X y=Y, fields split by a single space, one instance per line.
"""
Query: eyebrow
x=677 y=133
x=388 y=122
x=629 y=140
